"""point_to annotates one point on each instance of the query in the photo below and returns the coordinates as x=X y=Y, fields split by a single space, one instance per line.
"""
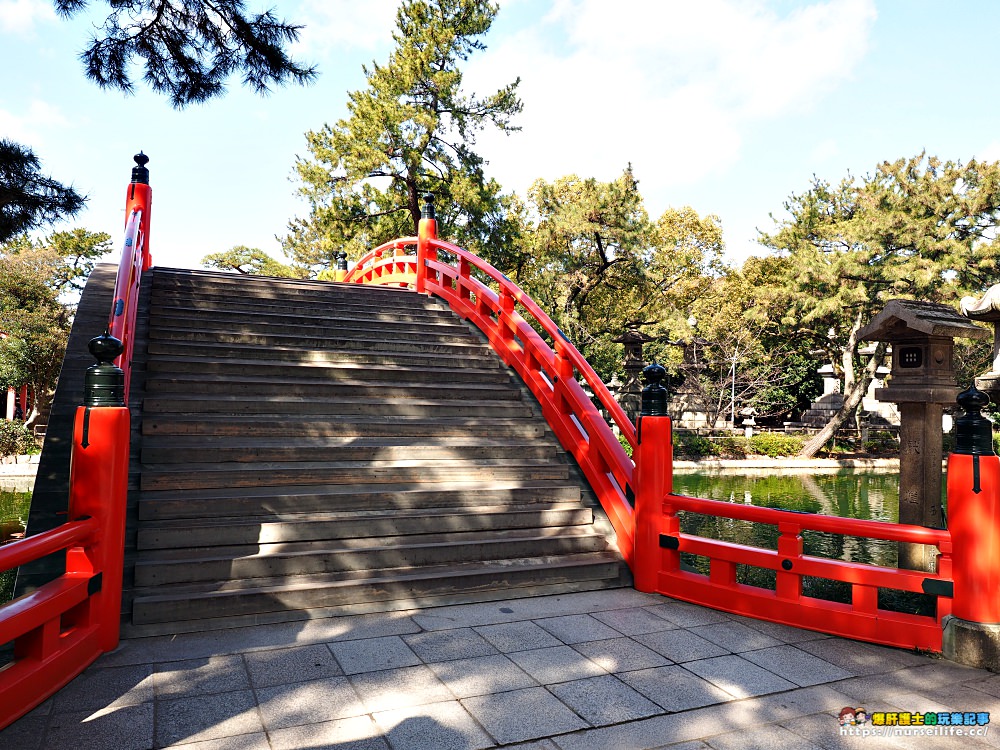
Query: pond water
x=861 y=495
x=13 y=516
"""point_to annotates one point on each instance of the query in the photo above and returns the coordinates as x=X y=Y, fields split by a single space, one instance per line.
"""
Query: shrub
x=775 y=444
x=625 y=444
x=15 y=439
x=881 y=442
x=731 y=447
x=693 y=446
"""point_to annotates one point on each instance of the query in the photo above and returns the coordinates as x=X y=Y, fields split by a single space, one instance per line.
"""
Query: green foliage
x=28 y=199
x=881 y=442
x=36 y=327
x=65 y=259
x=916 y=228
x=188 y=48
x=250 y=261
x=625 y=445
x=771 y=444
x=692 y=446
x=411 y=131
x=774 y=444
x=16 y=439
x=594 y=261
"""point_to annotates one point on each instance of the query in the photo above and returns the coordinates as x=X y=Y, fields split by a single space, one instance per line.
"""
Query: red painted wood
x=974 y=520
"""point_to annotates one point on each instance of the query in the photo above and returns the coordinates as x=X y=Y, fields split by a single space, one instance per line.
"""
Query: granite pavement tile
x=217 y=674
x=256 y=741
x=557 y=664
x=27 y=732
x=536 y=745
x=374 y=654
x=308 y=702
x=735 y=637
x=692 y=745
x=520 y=715
x=514 y=610
x=481 y=675
x=109 y=687
x=604 y=700
x=681 y=645
x=441 y=726
x=674 y=688
x=698 y=723
x=907 y=680
x=796 y=665
x=572 y=629
x=990 y=685
x=783 y=633
x=356 y=733
x=206 y=717
x=621 y=655
x=761 y=738
x=634 y=621
x=399 y=688
x=517 y=636
x=854 y=657
x=443 y=645
x=686 y=615
x=203 y=644
x=120 y=728
x=739 y=677
x=281 y=666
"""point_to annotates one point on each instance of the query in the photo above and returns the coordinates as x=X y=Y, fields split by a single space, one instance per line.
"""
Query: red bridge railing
x=64 y=625
x=529 y=341
x=638 y=497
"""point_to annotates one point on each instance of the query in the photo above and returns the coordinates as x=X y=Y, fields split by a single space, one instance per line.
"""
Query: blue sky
x=728 y=106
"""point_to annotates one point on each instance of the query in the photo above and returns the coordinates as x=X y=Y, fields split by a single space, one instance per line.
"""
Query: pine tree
x=917 y=228
x=411 y=131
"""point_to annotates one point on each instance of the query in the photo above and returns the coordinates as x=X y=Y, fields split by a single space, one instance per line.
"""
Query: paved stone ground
x=610 y=670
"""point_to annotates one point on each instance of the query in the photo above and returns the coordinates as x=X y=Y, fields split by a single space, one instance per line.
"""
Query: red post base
x=653 y=478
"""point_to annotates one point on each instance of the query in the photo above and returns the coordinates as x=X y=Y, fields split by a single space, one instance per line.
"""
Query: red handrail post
x=426 y=231
x=653 y=478
x=140 y=198
x=972 y=631
x=99 y=478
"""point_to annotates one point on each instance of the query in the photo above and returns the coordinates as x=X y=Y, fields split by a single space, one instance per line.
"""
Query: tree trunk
x=854 y=390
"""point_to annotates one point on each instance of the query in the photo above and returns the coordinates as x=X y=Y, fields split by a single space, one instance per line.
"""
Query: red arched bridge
x=418 y=432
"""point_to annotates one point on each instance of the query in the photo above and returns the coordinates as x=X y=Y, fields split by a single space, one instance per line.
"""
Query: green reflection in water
x=848 y=495
x=13 y=515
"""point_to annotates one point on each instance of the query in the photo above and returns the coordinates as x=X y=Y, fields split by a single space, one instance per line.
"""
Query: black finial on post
x=341 y=264
x=654 y=395
x=139 y=172
x=104 y=384
x=427 y=210
x=973 y=431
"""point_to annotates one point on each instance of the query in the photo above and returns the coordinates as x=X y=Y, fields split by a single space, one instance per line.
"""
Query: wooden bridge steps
x=308 y=449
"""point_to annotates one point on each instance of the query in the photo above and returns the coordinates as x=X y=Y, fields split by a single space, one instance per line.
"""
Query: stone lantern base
x=973 y=643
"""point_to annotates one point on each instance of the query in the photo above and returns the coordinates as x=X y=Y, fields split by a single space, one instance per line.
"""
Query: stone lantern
x=921 y=382
x=987 y=310
x=630 y=399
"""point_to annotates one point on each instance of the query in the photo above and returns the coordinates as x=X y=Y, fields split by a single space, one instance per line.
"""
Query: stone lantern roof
x=923 y=337
x=906 y=320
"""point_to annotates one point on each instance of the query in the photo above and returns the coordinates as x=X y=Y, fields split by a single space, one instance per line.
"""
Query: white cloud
x=334 y=24
x=668 y=86
x=20 y=16
x=28 y=129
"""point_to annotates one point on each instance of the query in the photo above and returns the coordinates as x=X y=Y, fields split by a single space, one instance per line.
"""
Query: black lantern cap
x=139 y=172
x=973 y=431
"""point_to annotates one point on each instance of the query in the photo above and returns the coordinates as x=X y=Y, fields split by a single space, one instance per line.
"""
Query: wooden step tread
x=277 y=584
x=489 y=538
